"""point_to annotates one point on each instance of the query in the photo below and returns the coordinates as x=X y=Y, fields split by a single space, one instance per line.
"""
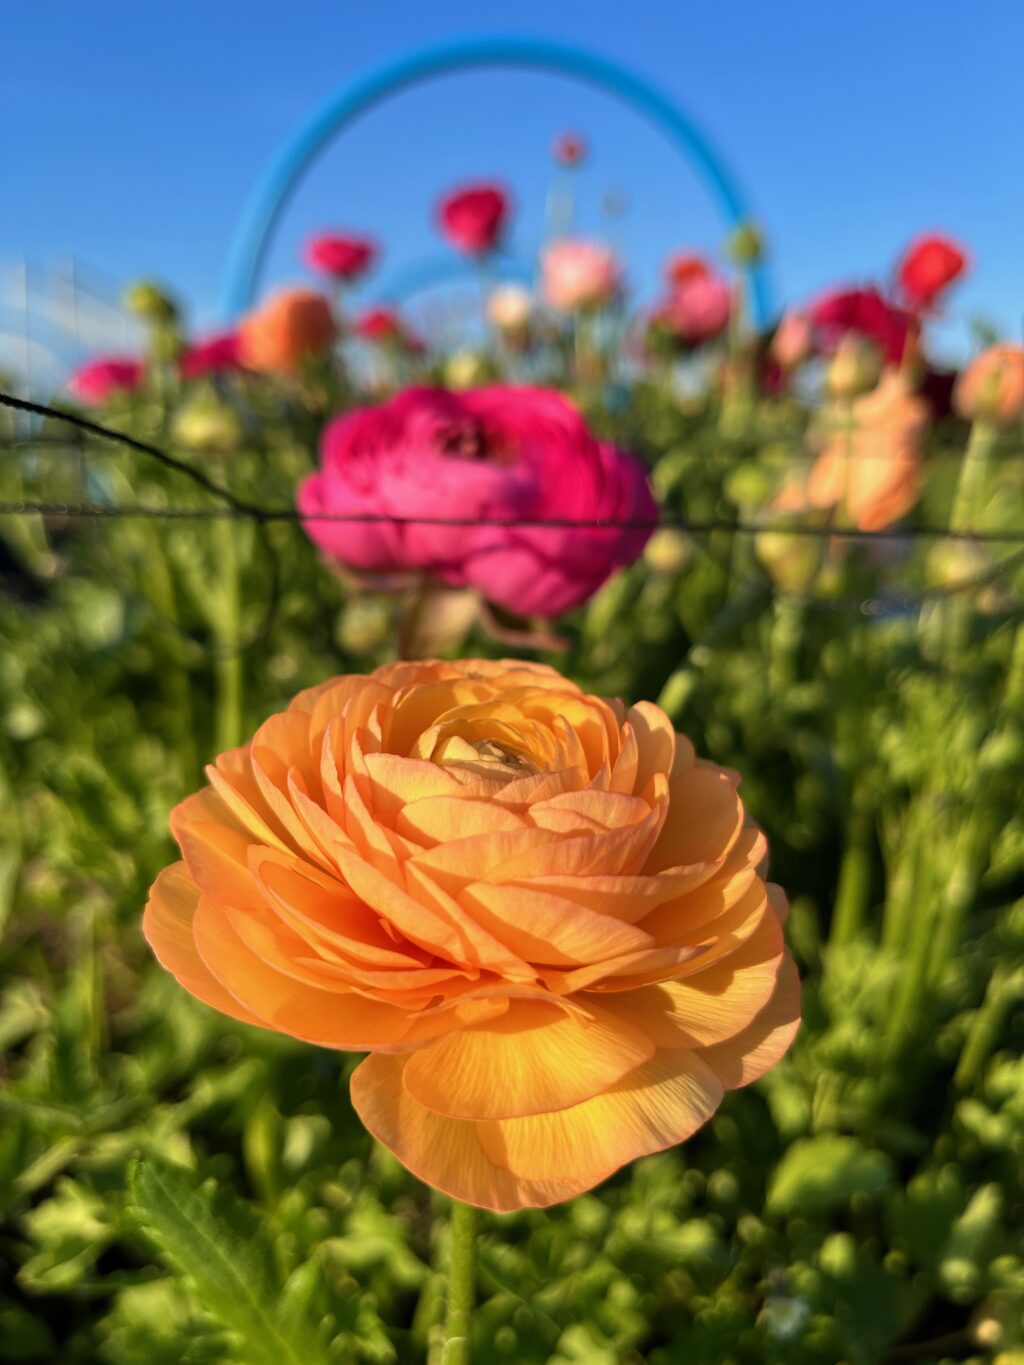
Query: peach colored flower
x=578 y=274
x=537 y=910
x=875 y=468
x=793 y=342
x=292 y=327
x=992 y=386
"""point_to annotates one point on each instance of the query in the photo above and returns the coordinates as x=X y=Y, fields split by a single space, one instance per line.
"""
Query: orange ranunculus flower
x=992 y=386
x=293 y=326
x=874 y=469
x=538 y=911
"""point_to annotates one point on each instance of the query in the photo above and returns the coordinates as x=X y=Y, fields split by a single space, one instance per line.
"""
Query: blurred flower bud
x=668 y=551
x=790 y=560
x=793 y=341
x=838 y=1255
x=509 y=308
x=992 y=386
x=206 y=423
x=364 y=625
x=745 y=245
x=955 y=563
x=147 y=300
x=855 y=367
x=465 y=370
x=569 y=149
x=749 y=485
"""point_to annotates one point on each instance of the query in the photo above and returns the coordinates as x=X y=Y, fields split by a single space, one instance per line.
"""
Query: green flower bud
x=854 y=369
x=668 y=551
x=364 y=625
x=745 y=245
x=148 y=300
x=206 y=423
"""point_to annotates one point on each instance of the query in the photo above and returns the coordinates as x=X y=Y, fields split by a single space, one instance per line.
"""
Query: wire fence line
x=236 y=507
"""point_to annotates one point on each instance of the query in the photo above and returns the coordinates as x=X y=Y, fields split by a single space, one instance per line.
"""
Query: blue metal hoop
x=343 y=106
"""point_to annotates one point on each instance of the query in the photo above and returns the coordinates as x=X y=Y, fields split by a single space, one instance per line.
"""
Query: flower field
x=454 y=1015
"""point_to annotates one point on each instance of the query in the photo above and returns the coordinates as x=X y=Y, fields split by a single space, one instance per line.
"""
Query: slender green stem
x=229 y=659
x=461 y=1283
x=854 y=889
x=985 y=1026
x=971 y=480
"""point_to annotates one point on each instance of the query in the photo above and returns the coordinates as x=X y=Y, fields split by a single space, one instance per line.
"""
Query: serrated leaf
x=231 y=1273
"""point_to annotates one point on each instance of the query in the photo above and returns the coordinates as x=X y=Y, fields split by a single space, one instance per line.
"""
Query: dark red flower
x=865 y=312
x=472 y=218
x=215 y=355
x=341 y=256
x=929 y=266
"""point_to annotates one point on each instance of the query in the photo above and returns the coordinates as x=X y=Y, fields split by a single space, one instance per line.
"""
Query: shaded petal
x=534 y=1059
x=751 y=1053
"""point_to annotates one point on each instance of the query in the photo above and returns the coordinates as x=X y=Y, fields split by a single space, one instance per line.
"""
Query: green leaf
x=231 y=1271
x=821 y=1173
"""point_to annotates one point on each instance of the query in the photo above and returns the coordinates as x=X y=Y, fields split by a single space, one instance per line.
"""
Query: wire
x=238 y=507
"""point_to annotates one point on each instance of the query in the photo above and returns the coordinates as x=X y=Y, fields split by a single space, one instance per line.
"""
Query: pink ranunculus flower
x=218 y=354
x=99 y=380
x=341 y=256
x=579 y=274
x=866 y=313
x=499 y=455
x=472 y=218
x=698 y=309
x=793 y=342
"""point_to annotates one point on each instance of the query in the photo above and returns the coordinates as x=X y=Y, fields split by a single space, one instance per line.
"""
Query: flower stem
x=229 y=659
x=461 y=1281
x=854 y=890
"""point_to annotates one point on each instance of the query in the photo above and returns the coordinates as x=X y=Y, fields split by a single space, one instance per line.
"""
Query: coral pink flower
x=501 y=455
x=875 y=471
x=698 y=309
x=929 y=266
x=214 y=355
x=793 y=341
x=101 y=379
x=579 y=274
x=340 y=256
x=472 y=218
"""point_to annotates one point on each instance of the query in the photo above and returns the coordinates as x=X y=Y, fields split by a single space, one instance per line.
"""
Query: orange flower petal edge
x=544 y=918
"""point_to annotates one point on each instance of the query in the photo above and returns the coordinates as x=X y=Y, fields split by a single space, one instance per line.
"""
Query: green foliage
x=862 y=1203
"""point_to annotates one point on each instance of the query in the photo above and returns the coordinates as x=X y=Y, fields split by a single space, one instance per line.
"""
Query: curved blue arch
x=436 y=270
x=343 y=106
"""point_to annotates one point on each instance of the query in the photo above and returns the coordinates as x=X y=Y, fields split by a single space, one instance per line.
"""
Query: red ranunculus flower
x=101 y=379
x=341 y=256
x=686 y=265
x=865 y=312
x=500 y=455
x=472 y=218
x=214 y=355
x=929 y=265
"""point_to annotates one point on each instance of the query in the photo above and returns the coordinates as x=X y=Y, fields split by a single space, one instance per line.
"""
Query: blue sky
x=132 y=132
